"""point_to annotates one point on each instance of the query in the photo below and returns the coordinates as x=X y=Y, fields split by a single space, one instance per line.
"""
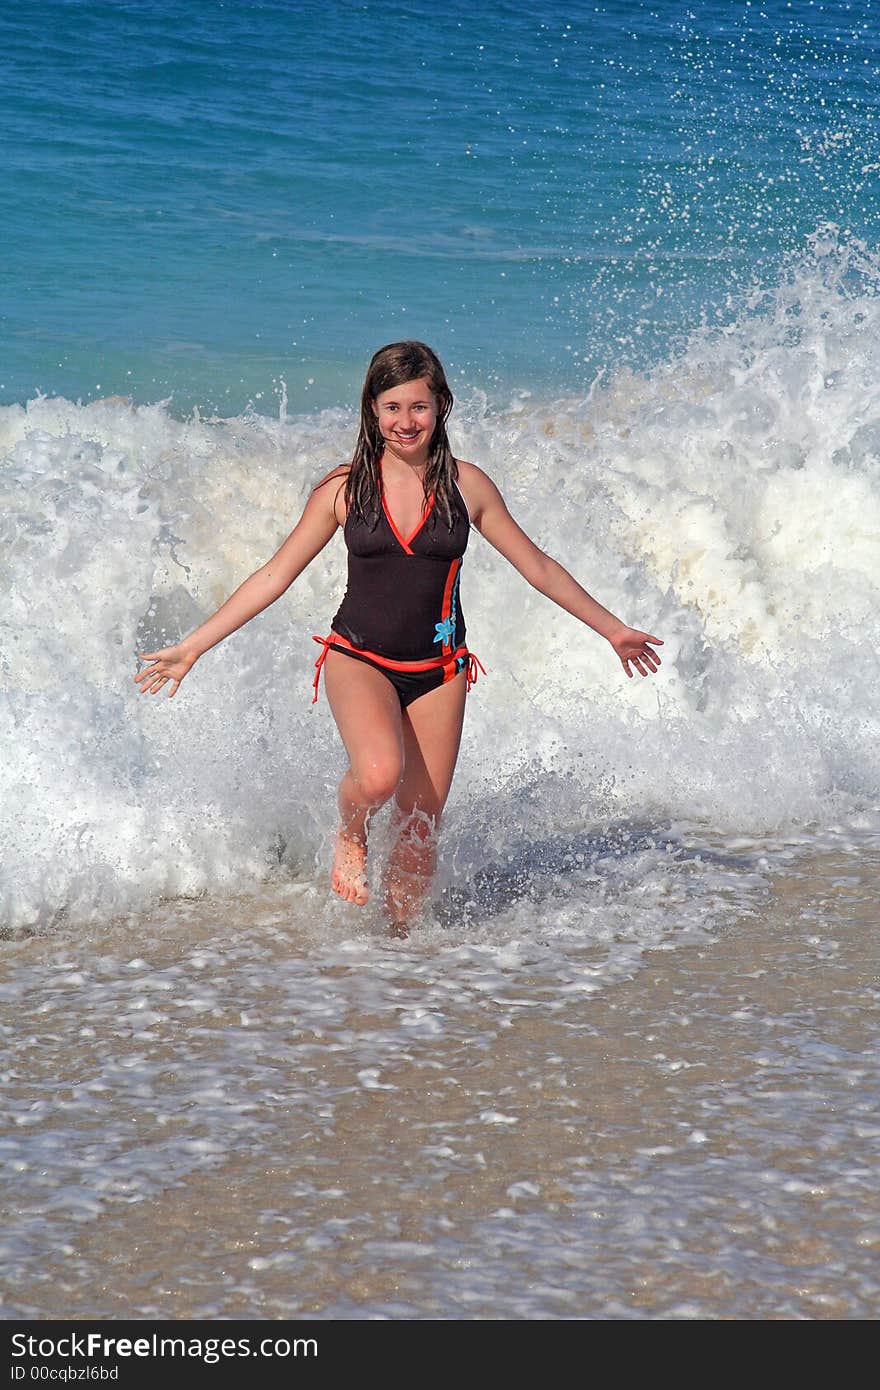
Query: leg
x=368 y=715
x=431 y=735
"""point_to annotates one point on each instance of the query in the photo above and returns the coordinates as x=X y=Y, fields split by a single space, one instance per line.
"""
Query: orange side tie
x=472 y=663
x=325 y=643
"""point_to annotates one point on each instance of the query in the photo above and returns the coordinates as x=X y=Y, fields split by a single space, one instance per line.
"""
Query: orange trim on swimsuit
x=446 y=609
x=406 y=541
x=450 y=662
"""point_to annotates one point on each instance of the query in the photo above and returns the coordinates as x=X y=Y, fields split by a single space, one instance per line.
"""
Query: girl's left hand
x=632 y=646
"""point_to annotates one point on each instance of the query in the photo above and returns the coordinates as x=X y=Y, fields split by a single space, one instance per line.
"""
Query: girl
x=396 y=667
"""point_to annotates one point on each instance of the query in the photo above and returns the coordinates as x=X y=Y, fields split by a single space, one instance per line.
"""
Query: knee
x=378 y=780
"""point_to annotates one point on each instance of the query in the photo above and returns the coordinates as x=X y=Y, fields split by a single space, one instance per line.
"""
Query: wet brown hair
x=394 y=365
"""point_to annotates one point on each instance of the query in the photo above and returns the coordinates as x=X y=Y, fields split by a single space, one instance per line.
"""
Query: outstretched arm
x=311 y=533
x=492 y=519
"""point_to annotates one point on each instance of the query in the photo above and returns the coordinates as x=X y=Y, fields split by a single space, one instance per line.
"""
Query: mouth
x=409 y=437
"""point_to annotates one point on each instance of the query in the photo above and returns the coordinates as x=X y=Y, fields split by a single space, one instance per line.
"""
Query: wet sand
x=243 y=1123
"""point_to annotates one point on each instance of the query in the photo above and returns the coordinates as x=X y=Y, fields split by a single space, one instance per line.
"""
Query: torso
x=402 y=596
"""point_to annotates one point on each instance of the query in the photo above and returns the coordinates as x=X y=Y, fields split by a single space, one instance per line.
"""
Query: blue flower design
x=445 y=630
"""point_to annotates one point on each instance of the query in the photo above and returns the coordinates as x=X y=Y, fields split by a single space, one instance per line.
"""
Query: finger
x=638 y=665
x=657 y=640
x=625 y=665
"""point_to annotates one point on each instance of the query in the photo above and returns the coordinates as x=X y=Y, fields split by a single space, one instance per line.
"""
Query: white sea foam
x=727 y=501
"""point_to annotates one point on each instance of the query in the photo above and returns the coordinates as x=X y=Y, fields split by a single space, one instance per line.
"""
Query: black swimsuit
x=401 y=611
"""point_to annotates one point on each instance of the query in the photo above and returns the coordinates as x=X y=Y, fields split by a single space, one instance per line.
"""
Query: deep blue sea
x=207 y=199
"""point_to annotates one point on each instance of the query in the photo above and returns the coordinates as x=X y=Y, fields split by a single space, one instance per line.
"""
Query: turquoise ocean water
x=203 y=200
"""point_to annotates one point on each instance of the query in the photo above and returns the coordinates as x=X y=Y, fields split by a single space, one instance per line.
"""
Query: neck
x=415 y=464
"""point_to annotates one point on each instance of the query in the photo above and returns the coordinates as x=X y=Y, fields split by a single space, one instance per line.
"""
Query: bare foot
x=349 y=876
x=404 y=895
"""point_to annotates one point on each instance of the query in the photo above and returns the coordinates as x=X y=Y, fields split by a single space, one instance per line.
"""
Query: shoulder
x=474 y=477
x=329 y=492
x=340 y=473
x=477 y=488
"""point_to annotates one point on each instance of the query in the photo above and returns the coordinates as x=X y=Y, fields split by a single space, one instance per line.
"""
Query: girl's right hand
x=169 y=664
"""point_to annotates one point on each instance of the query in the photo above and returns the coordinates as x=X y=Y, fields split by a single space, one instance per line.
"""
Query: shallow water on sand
x=258 y=1107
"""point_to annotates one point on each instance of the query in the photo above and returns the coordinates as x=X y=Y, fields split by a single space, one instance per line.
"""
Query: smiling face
x=407 y=416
